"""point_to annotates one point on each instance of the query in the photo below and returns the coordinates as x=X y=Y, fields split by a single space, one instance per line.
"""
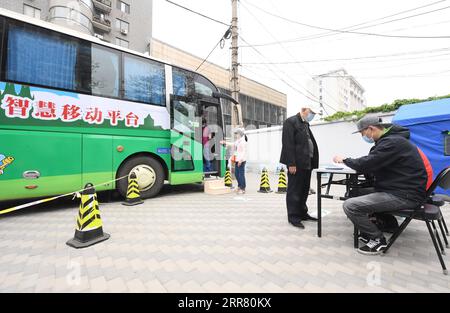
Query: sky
x=388 y=68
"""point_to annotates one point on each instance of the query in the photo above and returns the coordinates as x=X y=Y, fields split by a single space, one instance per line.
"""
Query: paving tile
x=191 y=242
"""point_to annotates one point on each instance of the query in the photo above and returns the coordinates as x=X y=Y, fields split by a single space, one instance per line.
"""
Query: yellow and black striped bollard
x=282 y=182
x=89 y=229
x=228 y=179
x=133 y=193
x=265 y=182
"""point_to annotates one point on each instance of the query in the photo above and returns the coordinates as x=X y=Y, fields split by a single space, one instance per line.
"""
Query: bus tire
x=145 y=168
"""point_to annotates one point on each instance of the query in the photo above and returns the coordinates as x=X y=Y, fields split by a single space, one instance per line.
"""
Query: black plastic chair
x=429 y=213
x=439 y=200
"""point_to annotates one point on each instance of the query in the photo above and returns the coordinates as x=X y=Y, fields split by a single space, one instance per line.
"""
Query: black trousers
x=297 y=195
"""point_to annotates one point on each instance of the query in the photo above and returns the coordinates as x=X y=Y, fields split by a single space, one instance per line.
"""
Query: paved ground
x=186 y=241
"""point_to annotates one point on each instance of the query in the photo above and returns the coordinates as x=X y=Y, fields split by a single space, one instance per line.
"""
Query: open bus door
x=185 y=141
x=214 y=151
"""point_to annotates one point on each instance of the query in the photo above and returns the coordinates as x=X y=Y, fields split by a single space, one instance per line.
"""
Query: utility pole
x=236 y=113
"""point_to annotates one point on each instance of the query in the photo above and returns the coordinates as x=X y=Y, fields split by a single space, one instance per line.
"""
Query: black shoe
x=374 y=247
x=363 y=238
x=308 y=217
x=297 y=224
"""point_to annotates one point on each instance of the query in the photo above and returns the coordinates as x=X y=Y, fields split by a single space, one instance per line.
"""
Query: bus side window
x=203 y=86
x=144 y=81
x=105 y=72
x=39 y=57
x=183 y=82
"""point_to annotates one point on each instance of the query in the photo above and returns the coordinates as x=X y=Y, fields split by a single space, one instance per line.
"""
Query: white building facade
x=339 y=90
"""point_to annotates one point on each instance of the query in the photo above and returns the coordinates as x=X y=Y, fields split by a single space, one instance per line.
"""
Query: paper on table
x=337 y=166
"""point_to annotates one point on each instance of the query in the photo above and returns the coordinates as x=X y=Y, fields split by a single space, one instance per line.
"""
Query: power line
x=309 y=38
x=221 y=43
x=427 y=61
x=418 y=75
x=352 y=27
x=289 y=53
x=282 y=79
x=356 y=58
x=348 y=31
x=394 y=14
x=384 y=32
x=198 y=13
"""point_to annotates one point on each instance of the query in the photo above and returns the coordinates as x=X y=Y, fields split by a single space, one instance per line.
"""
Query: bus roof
x=73 y=33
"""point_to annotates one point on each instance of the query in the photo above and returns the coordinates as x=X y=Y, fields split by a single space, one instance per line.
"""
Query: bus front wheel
x=150 y=176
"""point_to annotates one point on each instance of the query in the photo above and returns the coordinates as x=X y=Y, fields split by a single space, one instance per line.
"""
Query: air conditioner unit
x=124 y=31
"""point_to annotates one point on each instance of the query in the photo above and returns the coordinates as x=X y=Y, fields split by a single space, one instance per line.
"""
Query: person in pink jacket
x=240 y=157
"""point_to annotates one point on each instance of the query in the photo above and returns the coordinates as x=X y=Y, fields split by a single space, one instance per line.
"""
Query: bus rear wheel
x=150 y=176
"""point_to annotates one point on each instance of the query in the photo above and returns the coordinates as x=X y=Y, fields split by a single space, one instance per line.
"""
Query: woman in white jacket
x=240 y=158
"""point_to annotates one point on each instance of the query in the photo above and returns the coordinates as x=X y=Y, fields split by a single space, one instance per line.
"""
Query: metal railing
x=104 y=21
x=105 y=2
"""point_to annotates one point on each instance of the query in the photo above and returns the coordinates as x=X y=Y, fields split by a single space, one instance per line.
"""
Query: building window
x=31 y=11
x=124 y=7
x=266 y=112
x=122 y=26
x=259 y=110
x=88 y=3
x=273 y=114
x=64 y=13
x=250 y=111
x=123 y=43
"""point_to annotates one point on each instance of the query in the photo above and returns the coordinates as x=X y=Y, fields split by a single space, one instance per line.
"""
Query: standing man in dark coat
x=300 y=154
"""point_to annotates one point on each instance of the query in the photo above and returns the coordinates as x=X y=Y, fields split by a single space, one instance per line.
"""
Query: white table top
x=336 y=170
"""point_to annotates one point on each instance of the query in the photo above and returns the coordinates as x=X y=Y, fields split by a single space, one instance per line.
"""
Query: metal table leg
x=330 y=180
x=319 y=204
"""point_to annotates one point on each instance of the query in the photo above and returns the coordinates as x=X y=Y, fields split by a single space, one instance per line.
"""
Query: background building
x=122 y=22
x=262 y=106
x=339 y=90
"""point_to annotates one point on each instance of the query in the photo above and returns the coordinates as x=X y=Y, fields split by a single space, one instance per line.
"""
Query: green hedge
x=385 y=108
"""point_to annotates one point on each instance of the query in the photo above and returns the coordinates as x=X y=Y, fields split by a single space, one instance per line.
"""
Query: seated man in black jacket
x=400 y=179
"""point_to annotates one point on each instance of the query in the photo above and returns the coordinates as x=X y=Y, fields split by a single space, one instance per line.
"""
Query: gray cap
x=315 y=109
x=368 y=120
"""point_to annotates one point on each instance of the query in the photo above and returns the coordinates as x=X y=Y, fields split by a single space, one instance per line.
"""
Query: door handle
x=31 y=174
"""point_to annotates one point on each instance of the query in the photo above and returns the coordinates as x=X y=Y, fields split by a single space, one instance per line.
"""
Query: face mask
x=368 y=140
x=310 y=117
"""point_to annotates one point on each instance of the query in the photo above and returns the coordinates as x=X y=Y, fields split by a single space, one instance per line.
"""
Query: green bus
x=77 y=110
